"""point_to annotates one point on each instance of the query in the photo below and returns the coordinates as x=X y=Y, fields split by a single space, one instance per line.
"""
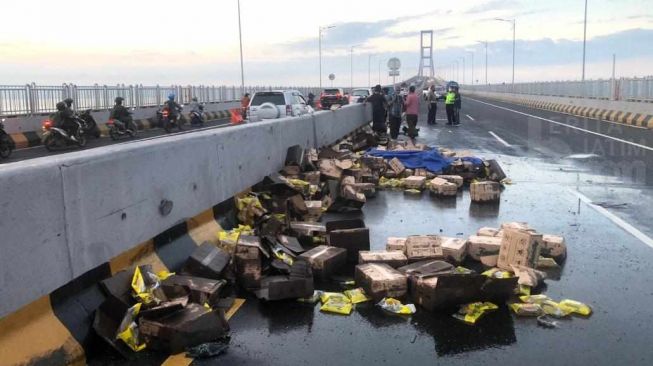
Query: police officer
x=120 y=113
x=63 y=118
x=449 y=105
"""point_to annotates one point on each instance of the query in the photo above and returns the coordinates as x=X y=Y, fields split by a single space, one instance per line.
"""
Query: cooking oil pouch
x=162 y=275
x=336 y=305
x=527 y=309
x=312 y=299
x=128 y=329
x=554 y=309
x=144 y=283
x=534 y=299
x=462 y=270
x=471 y=313
x=328 y=296
x=576 y=307
x=523 y=290
x=497 y=273
x=357 y=295
x=412 y=191
x=395 y=306
x=282 y=256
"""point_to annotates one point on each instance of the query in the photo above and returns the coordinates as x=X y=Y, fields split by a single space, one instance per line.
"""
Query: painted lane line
x=500 y=139
x=630 y=229
x=566 y=125
x=470 y=117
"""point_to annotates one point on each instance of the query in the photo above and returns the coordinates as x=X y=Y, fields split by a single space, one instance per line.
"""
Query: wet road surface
x=607 y=266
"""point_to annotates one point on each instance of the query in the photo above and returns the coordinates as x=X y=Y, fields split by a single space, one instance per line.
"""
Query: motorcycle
x=118 y=129
x=88 y=124
x=196 y=118
x=167 y=122
x=7 y=145
x=55 y=138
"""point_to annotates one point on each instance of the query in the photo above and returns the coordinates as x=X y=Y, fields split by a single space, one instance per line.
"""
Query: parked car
x=276 y=104
x=332 y=96
x=359 y=95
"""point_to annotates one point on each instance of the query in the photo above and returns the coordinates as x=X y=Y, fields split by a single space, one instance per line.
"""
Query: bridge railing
x=628 y=89
x=40 y=99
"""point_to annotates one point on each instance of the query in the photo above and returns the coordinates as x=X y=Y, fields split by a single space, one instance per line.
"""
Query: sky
x=196 y=42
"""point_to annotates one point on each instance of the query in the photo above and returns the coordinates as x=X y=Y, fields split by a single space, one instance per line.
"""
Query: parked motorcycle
x=196 y=118
x=88 y=124
x=7 y=145
x=55 y=138
x=167 y=122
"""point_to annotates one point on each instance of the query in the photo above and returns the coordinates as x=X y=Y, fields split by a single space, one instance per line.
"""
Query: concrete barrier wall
x=61 y=216
x=33 y=123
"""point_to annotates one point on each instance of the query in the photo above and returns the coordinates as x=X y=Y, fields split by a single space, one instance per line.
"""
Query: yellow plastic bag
x=249 y=208
x=527 y=309
x=144 y=283
x=412 y=191
x=328 y=296
x=128 y=329
x=471 y=313
x=497 y=273
x=535 y=299
x=395 y=306
x=523 y=290
x=554 y=309
x=284 y=257
x=576 y=307
x=462 y=270
x=357 y=295
x=390 y=182
x=337 y=305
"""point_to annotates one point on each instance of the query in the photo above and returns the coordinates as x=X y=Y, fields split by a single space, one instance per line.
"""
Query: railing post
x=158 y=95
x=31 y=99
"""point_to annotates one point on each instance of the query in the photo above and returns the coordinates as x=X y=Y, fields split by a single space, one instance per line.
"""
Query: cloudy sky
x=196 y=42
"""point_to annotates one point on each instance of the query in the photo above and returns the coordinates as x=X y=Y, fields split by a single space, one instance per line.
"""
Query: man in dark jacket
x=122 y=114
x=64 y=118
x=379 y=105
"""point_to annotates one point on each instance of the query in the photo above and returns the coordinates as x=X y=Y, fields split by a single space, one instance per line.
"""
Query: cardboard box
x=291 y=170
x=516 y=225
x=553 y=246
x=329 y=169
x=414 y=182
x=496 y=173
x=519 y=247
x=380 y=280
x=207 y=261
x=420 y=172
x=190 y=326
x=314 y=210
x=454 y=249
x=489 y=231
x=351 y=235
x=312 y=177
x=426 y=267
x=443 y=291
x=199 y=290
x=298 y=284
x=419 y=247
x=395 y=243
x=392 y=258
x=455 y=179
x=247 y=261
x=479 y=246
x=325 y=260
x=396 y=166
x=442 y=187
x=373 y=162
x=485 y=191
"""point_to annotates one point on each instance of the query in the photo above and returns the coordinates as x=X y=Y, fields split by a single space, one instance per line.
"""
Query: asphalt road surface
x=557 y=171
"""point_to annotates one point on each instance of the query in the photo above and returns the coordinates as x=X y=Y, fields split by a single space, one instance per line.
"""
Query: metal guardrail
x=628 y=89
x=39 y=99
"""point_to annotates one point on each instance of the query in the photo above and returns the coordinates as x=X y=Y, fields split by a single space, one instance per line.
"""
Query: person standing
x=244 y=103
x=449 y=105
x=379 y=106
x=396 y=108
x=412 y=110
x=432 y=101
x=457 y=104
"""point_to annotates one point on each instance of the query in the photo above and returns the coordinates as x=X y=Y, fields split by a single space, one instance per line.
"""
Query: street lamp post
x=514 y=26
x=320 y=30
x=584 y=41
x=380 y=62
x=240 y=38
x=485 y=43
x=472 y=53
x=369 y=69
x=351 y=67
x=464 y=79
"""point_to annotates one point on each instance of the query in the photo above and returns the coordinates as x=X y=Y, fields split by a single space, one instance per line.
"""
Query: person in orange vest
x=244 y=103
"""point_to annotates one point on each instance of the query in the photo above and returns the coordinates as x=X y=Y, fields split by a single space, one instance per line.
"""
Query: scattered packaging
x=351 y=235
x=357 y=295
x=479 y=246
x=299 y=284
x=554 y=246
x=455 y=179
x=471 y=313
x=396 y=166
x=426 y=267
x=396 y=307
x=198 y=290
x=325 y=260
x=527 y=309
x=441 y=291
x=394 y=243
x=489 y=231
x=419 y=247
x=576 y=307
x=392 y=258
x=442 y=187
x=519 y=247
x=454 y=249
x=485 y=192
x=207 y=261
x=528 y=276
x=247 y=261
x=380 y=280
x=415 y=182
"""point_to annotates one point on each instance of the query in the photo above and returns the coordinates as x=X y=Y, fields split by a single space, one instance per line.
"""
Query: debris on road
x=396 y=307
x=471 y=313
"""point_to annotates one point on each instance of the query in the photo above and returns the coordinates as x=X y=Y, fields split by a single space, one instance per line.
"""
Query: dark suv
x=331 y=96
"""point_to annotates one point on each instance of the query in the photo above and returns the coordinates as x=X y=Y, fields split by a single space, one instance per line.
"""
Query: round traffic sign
x=332 y=76
x=394 y=64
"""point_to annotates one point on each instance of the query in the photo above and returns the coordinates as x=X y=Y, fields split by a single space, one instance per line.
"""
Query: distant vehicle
x=276 y=104
x=333 y=96
x=359 y=95
x=88 y=123
x=440 y=92
x=55 y=138
x=7 y=145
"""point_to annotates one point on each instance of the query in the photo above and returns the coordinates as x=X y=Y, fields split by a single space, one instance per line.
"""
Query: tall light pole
x=457 y=70
x=369 y=69
x=380 y=62
x=584 y=41
x=240 y=37
x=319 y=37
x=463 y=58
x=472 y=53
x=351 y=67
x=514 y=23
x=485 y=43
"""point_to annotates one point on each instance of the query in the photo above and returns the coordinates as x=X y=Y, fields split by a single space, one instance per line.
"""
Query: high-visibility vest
x=451 y=98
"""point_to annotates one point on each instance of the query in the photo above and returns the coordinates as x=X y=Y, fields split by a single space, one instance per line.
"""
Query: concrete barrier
x=64 y=215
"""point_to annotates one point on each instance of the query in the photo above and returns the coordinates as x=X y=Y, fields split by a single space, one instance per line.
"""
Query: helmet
x=119 y=100
x=171 y=96
x=61 y=106
x=194 y=99
x=68 y=101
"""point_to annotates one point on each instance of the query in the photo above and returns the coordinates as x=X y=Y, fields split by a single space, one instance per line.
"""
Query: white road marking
x=569 y=126
x=630 y=229
x=470 y=117
x=500 y=139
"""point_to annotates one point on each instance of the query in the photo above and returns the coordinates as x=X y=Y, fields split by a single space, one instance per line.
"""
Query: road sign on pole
x=394 y=64
x=332 y=77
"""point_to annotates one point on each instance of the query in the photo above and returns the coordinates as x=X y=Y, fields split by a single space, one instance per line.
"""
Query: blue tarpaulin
x=430 y=160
